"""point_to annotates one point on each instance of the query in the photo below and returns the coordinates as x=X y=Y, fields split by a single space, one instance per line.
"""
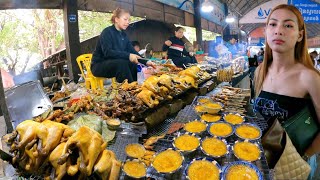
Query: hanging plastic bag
x=140 y=76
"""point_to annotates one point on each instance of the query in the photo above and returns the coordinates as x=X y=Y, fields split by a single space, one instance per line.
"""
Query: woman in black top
x=114 y=55
x=176 y=50
x=286 y=81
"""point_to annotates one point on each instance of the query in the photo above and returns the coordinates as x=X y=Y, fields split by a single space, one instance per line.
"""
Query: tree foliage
x=17 y=46
x=47 y=25
x=92 y=23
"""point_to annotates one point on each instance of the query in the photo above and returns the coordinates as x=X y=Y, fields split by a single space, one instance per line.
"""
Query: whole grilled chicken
x=189 y=80
x=151 y=84
x=148 y=97
x=191 y=71
x=107 y=165
x=166 y=80
x=60 y=170
x=89 y=143
x=50 y=134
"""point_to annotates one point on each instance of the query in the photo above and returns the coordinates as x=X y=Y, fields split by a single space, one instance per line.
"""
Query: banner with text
x=310 y=10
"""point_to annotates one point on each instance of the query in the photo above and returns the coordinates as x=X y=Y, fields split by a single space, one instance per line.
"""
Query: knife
x=5 y=156
x=143 y=61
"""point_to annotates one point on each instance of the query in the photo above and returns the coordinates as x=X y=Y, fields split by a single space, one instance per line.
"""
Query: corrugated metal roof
x=238 y=7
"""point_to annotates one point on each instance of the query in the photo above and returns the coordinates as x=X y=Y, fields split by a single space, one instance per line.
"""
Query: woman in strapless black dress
x=286 y=81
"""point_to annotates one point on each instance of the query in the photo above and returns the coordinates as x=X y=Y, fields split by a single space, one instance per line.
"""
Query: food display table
x=185 y=115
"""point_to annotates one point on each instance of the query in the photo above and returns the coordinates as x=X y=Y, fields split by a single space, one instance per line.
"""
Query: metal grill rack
x=161 y=128
x=119 y=143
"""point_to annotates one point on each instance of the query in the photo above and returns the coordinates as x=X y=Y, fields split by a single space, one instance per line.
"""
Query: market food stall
x=124 y=116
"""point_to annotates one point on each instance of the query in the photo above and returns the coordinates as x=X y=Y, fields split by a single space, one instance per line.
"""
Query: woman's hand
x=152 y=64
x=191 y=53
x=168 y=42
x=134 y=58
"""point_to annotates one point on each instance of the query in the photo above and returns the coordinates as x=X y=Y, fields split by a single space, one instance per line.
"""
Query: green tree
x=17 y=46
x=92 y=23
x=48 y=25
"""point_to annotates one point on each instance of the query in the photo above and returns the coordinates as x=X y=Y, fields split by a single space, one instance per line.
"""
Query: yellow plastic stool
x=84 y=62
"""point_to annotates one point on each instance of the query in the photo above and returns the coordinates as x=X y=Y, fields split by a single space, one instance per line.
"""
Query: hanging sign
x=310 y=10
x=260 y=13
x=72 y=18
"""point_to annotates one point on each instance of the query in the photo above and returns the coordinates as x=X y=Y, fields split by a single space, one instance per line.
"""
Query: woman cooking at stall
x=177 y=51
x=114 y=55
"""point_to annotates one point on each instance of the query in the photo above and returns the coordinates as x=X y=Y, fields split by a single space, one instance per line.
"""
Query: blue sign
x=263 y=13
x=310 y=10
x=72 y=18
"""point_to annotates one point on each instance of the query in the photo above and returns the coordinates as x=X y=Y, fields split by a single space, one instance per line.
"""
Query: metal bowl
x=255 y=144
x=211 y=160
x=210 y=155
x=250 y=125
x=135 y=144
x=227 y=168
x=114 y=123
x=220 y=122
x=237 y=114
x=202 y=108
x=173 y=171
x=202 y=117
x=197 y=133
x=131 y=175
x=204 y=99
x=186 y=152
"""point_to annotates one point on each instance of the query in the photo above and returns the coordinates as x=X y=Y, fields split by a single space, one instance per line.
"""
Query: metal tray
x=26 y=101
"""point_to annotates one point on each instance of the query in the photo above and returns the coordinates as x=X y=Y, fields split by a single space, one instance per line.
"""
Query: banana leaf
x=94 y=122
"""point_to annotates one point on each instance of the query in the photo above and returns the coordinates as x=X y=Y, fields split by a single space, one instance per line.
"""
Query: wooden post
x=4 y=107
x=197 y=22
x=71 y=34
